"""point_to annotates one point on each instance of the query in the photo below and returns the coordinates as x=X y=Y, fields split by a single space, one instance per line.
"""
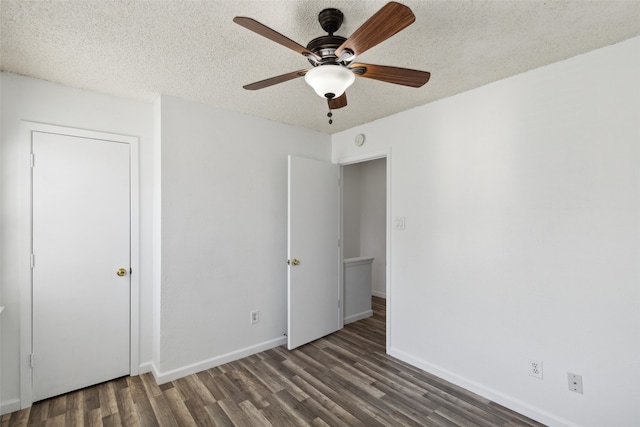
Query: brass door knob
x=121 y=272
x=295 y=262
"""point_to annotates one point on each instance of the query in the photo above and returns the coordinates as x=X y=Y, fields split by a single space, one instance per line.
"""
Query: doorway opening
x=365 y=232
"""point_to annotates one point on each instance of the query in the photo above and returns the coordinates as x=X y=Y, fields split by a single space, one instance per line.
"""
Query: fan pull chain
x=330 y=97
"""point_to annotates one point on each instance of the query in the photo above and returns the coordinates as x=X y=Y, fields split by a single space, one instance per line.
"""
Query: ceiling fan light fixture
x=329 y=81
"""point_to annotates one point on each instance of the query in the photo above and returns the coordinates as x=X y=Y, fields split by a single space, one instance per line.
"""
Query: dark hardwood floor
x=345 y=379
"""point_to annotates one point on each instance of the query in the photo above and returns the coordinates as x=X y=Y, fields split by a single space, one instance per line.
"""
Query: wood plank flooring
x=345 y=379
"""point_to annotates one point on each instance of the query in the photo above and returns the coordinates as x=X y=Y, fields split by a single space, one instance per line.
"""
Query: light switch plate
x=398 y=223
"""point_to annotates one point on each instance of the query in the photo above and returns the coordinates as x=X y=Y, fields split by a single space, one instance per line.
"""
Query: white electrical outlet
x=535 y=368
x=255 y=317
x=575 y=382
x=398 y=223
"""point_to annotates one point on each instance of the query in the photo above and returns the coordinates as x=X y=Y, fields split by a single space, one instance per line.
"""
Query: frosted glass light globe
x=329 y=81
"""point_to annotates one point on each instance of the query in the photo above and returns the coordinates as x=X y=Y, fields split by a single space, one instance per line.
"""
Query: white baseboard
x=486 y=392
x=145 y=367
x=174 y=374
x=358 y=316
x=8 y=406
x=379 y=294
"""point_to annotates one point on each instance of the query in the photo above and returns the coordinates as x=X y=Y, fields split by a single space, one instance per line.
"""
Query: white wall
x=224 y=233
x=39 y=101
x=364 y=216
x=522 y=240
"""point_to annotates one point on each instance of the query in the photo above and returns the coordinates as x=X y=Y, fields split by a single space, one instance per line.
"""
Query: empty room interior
x=176 y=197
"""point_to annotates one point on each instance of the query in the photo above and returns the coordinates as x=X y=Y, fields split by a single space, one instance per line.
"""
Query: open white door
x=313 y=250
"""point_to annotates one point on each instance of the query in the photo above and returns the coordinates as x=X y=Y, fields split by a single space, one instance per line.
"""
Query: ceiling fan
x=332 y=56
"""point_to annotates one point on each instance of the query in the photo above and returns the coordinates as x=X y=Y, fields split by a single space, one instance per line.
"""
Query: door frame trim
x=26 y=221
x=365 y=157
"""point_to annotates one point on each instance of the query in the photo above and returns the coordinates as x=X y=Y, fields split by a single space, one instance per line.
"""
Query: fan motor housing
x=325 y=47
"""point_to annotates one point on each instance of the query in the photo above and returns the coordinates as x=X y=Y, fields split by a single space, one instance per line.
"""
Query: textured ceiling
x=194 y=51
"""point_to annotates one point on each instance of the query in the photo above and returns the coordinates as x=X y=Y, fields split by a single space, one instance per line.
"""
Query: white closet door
x=81 y=243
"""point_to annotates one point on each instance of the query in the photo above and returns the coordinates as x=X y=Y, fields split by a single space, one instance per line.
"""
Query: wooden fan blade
x=263 y=30
x=275 y=80
x=397 y=75
x=338 y=102
x=392 y=18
